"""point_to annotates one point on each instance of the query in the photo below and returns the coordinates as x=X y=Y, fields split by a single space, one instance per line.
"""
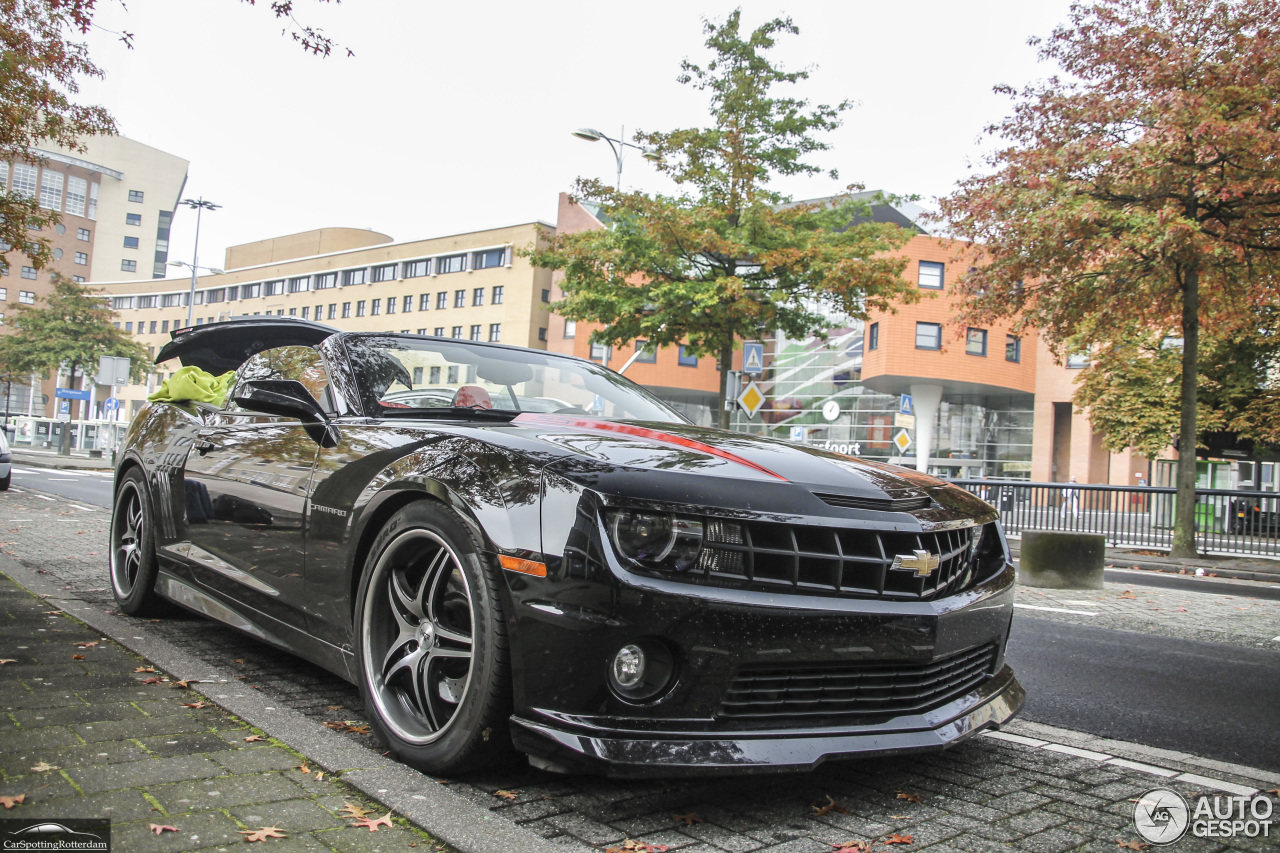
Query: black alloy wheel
x=430 y=641
x=133 y=549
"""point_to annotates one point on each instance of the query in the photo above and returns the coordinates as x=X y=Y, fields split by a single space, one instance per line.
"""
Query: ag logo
x=921 y=562
x=1161 y=816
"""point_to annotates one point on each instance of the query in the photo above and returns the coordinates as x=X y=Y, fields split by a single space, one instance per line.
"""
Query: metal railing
x=1227 y=522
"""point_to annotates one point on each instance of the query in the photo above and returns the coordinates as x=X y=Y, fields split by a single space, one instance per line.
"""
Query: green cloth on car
x=192 y=383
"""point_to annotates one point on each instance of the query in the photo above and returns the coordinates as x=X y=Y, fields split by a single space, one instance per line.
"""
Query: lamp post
x=592 y=135
x=200 y=205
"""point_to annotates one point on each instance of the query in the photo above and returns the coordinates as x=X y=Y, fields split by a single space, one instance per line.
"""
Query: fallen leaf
x=186 y=683
x=359 y=730
x=640 y=846
x=336 y=725
x=374 y=822
x=304 y=768
x=352 y=810
x=334 y=707
x=900 y=816
x=1132 y=845
x=262 y=834
x=688 y=819
x=43 y=767
x=145 y=669
x=4 y=661
x=87 y=645
x=507 y=795
x=10 y=802
x=158 y=828
x=77 y=657
x=1275 y=791
x=319 y=775
x=831 y=806
x=852 y=847
x=51 y=612
x=254 y=738
x=898 y=839
x=156 y=680
x=196 y=705
x=910 y=798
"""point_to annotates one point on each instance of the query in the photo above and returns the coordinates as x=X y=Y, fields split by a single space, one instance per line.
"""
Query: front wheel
x=431 y=643
x=133 y=549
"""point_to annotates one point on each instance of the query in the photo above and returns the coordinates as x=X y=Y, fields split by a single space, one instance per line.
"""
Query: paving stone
x=256 y=760
x=225 y=792
x=51 y=737
x=184 y=744
x=298 y=815
x=584 y=828
x=195 y=832
x=140 y=728
x=1052 y=841
x=40 y=717
x=118 y=806
x=138 y=774
x=78 y=755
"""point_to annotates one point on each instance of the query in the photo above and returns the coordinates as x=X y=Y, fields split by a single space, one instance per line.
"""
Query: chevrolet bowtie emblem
x=921 y=562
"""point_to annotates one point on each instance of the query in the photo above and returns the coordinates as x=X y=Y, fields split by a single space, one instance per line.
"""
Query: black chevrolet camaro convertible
x=510 y=549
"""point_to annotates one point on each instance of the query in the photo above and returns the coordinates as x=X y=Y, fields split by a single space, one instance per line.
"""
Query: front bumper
x=578 y=744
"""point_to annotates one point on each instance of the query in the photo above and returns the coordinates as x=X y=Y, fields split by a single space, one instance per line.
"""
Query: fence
x=1227 y=522
x=38 y=433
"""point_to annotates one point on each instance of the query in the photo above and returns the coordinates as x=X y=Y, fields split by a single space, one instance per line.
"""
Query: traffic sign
x=751 y=399
x=753 y=359
x=903 y=441
x=797 y=433
x=71 y=394
x=905 y=406
x=110 y=404
x=904 y=421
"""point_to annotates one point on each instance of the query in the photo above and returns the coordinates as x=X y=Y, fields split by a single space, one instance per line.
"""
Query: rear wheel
x=431 y=644
x=133 y=549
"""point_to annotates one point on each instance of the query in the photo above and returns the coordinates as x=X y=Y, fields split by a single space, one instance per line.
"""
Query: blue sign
x=110 y=404
x=64 y=407
x=753 y=359
x=71 y=394
x=905 y=407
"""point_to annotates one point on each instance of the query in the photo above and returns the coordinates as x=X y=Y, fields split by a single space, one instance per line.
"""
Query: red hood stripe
x=642 y=433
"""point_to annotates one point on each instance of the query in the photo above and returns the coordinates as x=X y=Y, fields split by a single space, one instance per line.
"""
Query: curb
x=61 y=463
x=1117 y=559
x=431 y=807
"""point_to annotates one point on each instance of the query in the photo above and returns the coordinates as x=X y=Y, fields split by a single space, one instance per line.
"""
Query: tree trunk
x=64 y=438
x=1184 y=521
x=726 y=364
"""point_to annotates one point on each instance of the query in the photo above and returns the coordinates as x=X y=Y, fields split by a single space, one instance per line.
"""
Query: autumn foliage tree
x=1137 y=197
x=730 y=257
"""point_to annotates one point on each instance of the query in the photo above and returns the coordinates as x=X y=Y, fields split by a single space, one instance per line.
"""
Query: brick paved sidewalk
x=83 y=734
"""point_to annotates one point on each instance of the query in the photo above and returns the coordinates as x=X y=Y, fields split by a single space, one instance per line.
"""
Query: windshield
x=428 y=376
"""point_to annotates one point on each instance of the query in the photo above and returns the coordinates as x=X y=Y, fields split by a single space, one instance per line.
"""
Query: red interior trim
x=643 y=433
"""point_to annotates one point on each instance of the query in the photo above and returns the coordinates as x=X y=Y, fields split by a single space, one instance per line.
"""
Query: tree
x=72 y=328
x=41 y=65
x=730 y=257
x=14 y=367
x=1140 y=194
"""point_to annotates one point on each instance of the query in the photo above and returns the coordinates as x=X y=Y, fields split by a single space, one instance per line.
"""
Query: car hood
x=751 y=462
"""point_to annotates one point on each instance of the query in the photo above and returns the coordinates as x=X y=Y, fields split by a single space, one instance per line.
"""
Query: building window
x=375 y=307
x=274 y=288
x=24 y=180
x=1012 y=348
x=135 y=196
x=495 y=332
x=128 y=326
x=299 y=285
x=333 y=311
x=82 y=233
x=233 y=293
x=414 y=269
x=407 y=306
x=29 y=273
x=647 y=354
x=542 y=333
x=975 y=342
x=82 y=258
x=4 y=291
x=173 y=300
x=873 y=336
x=129 y=266
x=350 y=277
x=457 y=332
x=598 y=352
x=570 y=328
x=78 y=279
x=475 y=332
x=453 y=263
x=392 y=302
x=489 y=258
x=26 y=297
x=323 y=280
x=438 y=331
x=77 y=192
x=306 y=312
x=442 y=300
x=133 y=219
x=346 y=310
x=928 y=336
x=459 y=299
x=684 y=359
x=360 y=306
x=387 y=272
x=131 y=242
x=146 y=302
x=497 y=295
x=51 y=190
x=1078 y=360
x=212 y=296
x=477 y=296
x=164 y=327
x=931 y=275
x=121 y=303
x=546 y=295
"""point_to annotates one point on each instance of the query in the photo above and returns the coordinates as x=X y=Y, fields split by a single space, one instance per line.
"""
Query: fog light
x=628 y=667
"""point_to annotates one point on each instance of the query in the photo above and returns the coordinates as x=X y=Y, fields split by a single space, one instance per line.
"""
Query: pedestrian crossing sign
x=753 y=359
x=905 y=406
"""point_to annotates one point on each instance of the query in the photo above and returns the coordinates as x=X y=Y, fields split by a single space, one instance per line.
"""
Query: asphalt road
x=87 y=487
x=1211 y=700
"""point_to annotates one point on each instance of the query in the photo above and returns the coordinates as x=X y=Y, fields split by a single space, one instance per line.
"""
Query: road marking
x=46 y=498
x=1142 y=768
x=85 y=508
x=60 y=479
x=1025 y=741
x=1056 y=609
x=1077 y=752
x=1229 y=787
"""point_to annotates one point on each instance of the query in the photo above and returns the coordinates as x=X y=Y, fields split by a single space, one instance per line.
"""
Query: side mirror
x=288 y=398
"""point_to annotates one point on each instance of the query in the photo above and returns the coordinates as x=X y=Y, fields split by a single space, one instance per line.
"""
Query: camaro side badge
x=921 y=562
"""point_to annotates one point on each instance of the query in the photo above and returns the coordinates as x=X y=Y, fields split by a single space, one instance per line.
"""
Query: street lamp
x=200 y=206
x=593 y=135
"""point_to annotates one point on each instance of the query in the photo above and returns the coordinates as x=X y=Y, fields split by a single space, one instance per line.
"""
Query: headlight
x=656 y=539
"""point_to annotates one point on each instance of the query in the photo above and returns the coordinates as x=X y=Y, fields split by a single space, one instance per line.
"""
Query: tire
x=133 y=549
x=431 y=644
x=4 y=482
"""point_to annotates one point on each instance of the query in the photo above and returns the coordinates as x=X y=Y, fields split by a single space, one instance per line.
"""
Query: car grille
x=870 y=689
x=843 y=562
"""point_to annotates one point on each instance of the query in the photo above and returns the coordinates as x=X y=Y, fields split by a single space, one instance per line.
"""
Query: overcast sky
x=454 y=117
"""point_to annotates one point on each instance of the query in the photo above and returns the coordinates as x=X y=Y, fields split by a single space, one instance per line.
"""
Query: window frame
x=942 y=275
x=937 y=337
